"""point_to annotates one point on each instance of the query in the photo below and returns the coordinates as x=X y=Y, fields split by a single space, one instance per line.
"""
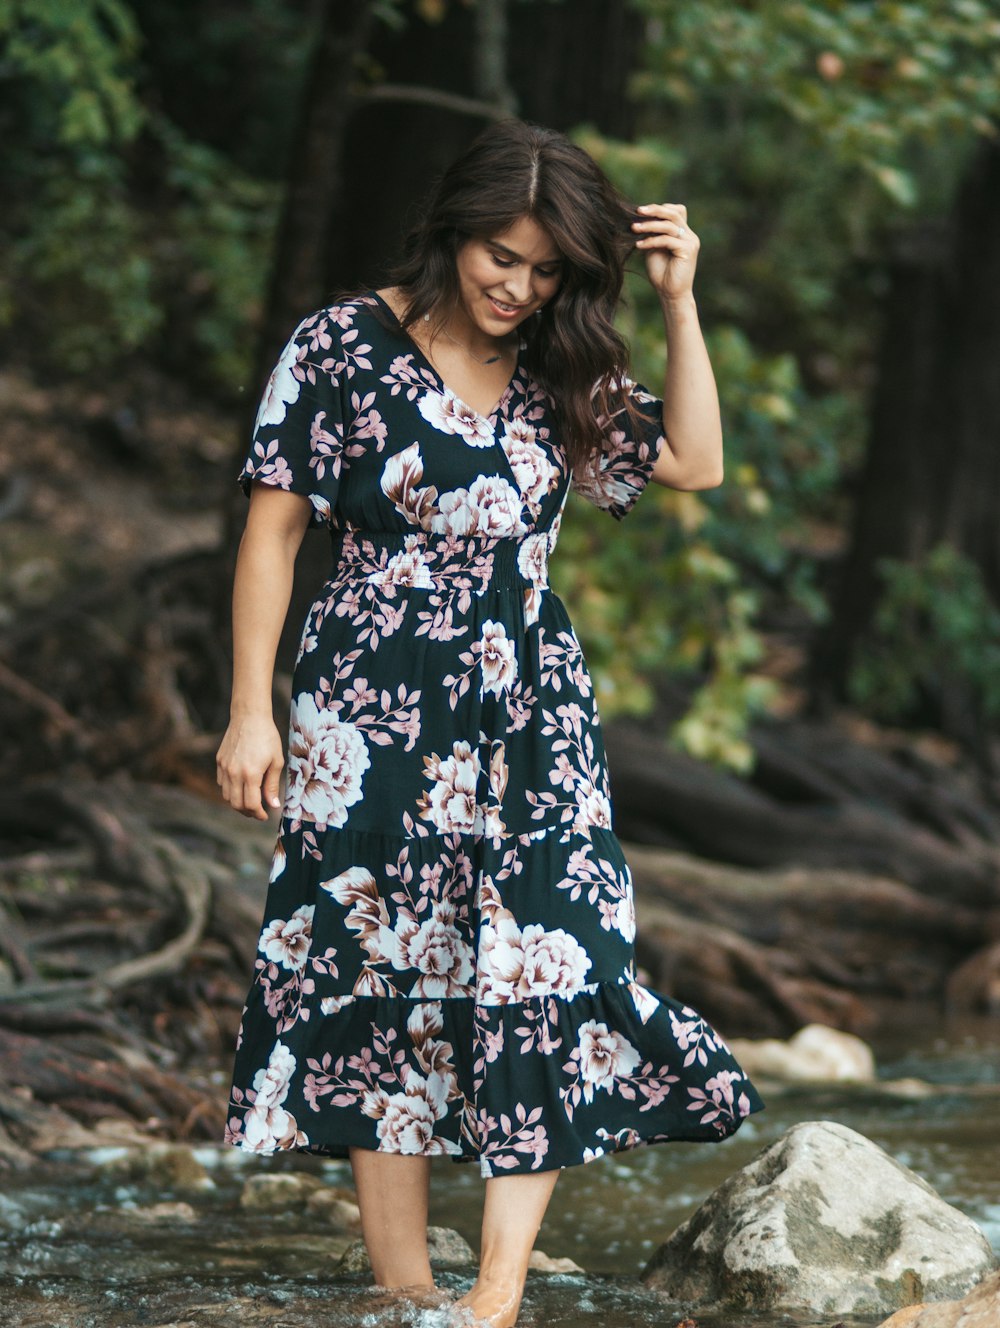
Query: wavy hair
x=516 y=169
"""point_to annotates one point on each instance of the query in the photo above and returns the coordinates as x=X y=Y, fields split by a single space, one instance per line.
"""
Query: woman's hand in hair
x=669 y=246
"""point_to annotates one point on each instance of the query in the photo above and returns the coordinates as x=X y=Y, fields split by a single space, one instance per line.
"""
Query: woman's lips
x=501 y=312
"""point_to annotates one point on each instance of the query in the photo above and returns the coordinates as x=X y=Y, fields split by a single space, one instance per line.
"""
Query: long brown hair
x=515 y=169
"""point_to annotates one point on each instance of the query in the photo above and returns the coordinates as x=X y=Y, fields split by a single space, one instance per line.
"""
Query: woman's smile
x=505 y=310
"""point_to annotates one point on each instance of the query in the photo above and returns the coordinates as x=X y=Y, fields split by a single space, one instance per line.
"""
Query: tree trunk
x=933 y=465
x=296 y=284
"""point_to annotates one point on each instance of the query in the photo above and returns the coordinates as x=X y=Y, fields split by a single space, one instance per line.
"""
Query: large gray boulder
x=824 y=1221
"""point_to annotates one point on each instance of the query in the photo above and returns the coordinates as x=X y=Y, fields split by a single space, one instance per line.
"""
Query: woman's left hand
x=670 y=247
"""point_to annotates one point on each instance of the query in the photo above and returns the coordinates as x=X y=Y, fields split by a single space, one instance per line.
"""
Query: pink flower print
x=268 y=467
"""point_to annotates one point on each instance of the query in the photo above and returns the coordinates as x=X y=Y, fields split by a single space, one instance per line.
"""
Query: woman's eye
x=503 y=262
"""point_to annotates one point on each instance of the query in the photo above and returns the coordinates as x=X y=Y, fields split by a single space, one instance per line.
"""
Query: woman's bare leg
x=512 y=1214
x=393 y=1192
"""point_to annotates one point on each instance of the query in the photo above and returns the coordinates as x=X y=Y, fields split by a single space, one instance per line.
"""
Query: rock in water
x=815 y=1053
x=445 y=1247
x=979 y=1309
x=825 y=1221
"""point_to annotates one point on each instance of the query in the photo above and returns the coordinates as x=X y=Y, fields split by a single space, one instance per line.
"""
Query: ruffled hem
x=552 y=1081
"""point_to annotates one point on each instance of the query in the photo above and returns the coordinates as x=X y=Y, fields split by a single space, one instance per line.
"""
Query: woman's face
x=505 y=278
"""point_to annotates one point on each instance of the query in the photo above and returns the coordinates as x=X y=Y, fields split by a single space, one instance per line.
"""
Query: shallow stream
x=79 y=1247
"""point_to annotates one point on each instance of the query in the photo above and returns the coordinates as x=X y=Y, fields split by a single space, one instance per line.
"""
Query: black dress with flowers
x=446 y=960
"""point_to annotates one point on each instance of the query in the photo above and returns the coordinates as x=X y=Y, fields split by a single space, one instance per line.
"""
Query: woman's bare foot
x=494 y=1301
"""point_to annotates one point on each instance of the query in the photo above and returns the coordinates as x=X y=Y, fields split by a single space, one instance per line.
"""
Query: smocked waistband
x=426 y=559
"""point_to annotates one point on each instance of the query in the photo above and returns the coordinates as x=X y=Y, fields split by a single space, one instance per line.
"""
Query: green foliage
x=100 y=263
x=798 y=135
x=683 y=583
x=936 y=632
x=865 y=79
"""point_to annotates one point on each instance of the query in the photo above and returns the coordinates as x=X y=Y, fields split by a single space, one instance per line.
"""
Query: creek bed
x=80 y=1249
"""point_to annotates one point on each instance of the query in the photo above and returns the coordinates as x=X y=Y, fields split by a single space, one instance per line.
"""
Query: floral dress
x=446 y=960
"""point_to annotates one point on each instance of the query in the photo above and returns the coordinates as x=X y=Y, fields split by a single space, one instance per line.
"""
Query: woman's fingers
x=251 y=799
x=661 y=220
x=669 y=210
x=248 y=766
x=271 y=794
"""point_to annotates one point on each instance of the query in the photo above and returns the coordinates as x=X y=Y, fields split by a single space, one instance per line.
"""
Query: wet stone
x=822 y=1221
x=446 y=1247
x=545 y=1263
x=163 y=1212
x=169 y=1166
x=273 y=1193
x=336 y=1206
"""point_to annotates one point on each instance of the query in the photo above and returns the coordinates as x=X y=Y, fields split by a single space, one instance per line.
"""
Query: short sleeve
x=298 y=436
x=630 y=453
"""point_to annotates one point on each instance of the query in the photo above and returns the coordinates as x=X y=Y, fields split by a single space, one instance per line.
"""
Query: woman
x=446 y=962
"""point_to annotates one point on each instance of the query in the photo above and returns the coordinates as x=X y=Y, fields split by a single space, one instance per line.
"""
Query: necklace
x=491 y=359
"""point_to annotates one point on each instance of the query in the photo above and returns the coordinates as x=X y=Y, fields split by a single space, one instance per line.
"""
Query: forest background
x=799 y=673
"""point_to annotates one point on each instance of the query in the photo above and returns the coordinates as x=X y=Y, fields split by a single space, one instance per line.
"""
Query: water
x=82 y=1247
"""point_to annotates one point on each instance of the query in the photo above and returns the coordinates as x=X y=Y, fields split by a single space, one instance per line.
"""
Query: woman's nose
x=518 y=286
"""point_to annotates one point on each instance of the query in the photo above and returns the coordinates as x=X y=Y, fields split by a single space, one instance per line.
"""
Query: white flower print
x=490 y=506
x=267 y=1125
x=624 y=917
x=451 y=802
x=278 y=860
x=456 y=514
x=497 y=505
x=593 y=809
x=436 y=949
x=406 y=568
x=401 y=476
x=604 y=1055
x=600 y=483
x=532 y=468
x=406 y=1120
x=516 y=964
x=533 y=558
x=451 y=415
x=646 y=1004
x=496 y=656
x=327 y=758
x=282 y=388
x=287 y=942
x=533 y=564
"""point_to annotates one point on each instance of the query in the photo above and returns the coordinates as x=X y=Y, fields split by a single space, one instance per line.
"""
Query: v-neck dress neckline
x=505 y=395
